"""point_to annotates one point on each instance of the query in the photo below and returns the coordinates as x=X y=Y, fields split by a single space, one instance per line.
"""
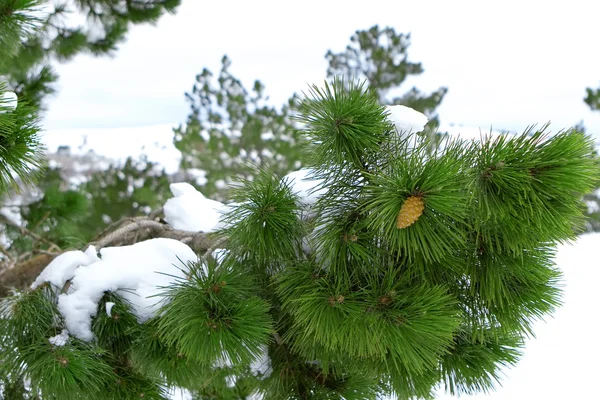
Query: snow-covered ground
x=155 y=142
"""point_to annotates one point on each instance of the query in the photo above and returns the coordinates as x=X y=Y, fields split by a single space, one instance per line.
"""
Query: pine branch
x=30 y=233
x=126 y=231
x=6 y=253
x=142 y=229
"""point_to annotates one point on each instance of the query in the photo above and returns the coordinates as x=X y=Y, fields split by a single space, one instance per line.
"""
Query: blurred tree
x=68 y=28
x=592 y=98
x=592 y=200
x=230 y=127
x=33 y=35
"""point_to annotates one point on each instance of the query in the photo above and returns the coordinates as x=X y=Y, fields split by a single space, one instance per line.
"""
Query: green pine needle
x=213 y=316
x=475 y=365
x=345 y=123
x=71 y=372
x=115 y=332
x=264 y=225
x=20 y=146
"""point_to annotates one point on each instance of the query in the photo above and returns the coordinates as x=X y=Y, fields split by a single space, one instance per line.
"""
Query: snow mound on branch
x=189 y=210
x=63 y=267
x=60 y=340
x=406 y=119
x=138 y=273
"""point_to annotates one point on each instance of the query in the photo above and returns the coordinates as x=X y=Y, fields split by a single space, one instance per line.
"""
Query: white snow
x=189 y=210
x=406 y=119
x=61 y=339
x=198 y=175
x=109 y=306
x=13 y=213
x=262 y=365
x=137 y=273
x=153 y=143
x=306 y=188
x=8 y=101
x=221 y=184
x=180 y=189
x=177 y=393
x=592 y=206
x=63 y=267
x=267 y=136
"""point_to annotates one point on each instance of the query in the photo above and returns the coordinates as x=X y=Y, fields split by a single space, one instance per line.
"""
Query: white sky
x=507 y=64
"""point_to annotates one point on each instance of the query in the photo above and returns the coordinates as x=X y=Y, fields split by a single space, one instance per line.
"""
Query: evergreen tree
x=231 y=128
x=20 y=149
x=33 y=35
x=592 y=99
x=410 y=269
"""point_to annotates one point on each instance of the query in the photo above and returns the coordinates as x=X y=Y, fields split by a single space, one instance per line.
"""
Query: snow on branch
x=189 y=209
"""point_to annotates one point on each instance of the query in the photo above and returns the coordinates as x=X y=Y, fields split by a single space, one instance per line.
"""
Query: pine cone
x=410 y=212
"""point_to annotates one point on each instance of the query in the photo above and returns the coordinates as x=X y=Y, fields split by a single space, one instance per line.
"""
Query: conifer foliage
x=411 y=269
x=20 y=149
x=592 y=98
x=58 y=38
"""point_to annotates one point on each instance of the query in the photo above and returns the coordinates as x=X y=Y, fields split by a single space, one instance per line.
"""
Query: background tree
x=592 y=98
x=231 y=127
x=57 y=38
x=592 y=200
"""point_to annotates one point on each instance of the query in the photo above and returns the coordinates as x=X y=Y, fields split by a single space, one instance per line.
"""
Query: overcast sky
x=508 y=64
